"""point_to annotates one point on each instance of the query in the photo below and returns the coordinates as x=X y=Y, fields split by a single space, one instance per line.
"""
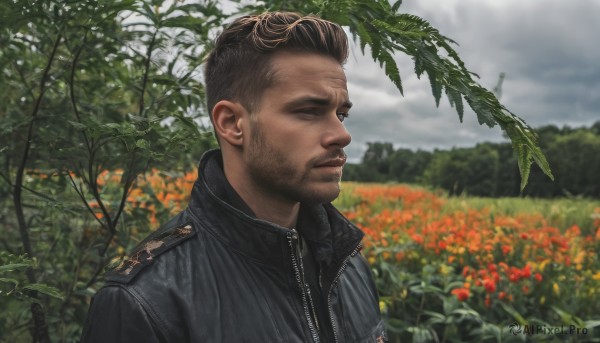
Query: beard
x=274 y=172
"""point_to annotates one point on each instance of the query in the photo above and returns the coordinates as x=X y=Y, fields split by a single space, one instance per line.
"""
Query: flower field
x=458 y=273
x=454 y=269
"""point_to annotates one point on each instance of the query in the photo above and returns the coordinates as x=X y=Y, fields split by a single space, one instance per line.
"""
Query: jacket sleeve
x=116 y=316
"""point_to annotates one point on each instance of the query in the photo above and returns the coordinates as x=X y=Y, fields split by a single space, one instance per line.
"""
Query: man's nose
x=336 y=134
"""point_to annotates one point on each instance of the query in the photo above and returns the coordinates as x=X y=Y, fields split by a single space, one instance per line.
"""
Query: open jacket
x=216 y=274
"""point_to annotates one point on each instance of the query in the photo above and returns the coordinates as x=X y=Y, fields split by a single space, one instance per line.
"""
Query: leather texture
x=216 y=274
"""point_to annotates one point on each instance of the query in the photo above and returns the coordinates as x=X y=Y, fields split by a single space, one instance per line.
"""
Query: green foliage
x=87 y=87
x=10 y=264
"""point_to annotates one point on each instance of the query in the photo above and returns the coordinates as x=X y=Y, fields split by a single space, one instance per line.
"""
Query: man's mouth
x=334 y=162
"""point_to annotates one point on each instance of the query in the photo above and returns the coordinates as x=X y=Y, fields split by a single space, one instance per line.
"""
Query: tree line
x=491 y=169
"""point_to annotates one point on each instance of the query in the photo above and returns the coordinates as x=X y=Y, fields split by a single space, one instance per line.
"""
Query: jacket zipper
x=293 y=236
x=329 y=307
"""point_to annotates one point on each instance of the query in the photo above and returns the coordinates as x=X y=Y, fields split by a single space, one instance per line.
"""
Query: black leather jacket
x=215 y=274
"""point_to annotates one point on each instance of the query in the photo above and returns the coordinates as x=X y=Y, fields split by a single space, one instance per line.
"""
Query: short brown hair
x=238 y=68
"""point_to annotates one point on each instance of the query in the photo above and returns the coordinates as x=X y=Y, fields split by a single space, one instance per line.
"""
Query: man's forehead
x=305 y=65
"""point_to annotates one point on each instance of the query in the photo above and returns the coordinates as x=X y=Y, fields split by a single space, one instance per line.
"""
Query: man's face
x=295 y=149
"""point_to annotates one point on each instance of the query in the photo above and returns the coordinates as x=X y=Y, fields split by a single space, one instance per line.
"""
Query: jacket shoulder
x=149 y=250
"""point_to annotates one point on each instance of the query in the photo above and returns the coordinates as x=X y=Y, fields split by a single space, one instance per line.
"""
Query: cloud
x=547 y=48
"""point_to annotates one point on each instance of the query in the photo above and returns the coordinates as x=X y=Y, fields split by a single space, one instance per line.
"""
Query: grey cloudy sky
x=549 y=50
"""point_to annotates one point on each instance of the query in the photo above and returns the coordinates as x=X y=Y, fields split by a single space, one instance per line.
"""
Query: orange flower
x=461 y=294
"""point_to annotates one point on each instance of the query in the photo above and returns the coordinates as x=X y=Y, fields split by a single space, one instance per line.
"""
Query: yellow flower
x=542 y=300
x=596 y=276
x=382 y=306
x=445 y=269
x=556 y=289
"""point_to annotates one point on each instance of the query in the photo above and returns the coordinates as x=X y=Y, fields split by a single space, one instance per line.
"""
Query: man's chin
x=324 y=193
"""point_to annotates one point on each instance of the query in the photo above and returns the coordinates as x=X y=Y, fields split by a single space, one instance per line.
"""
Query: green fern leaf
x=436 y=87
x=391 y=70
x=456 y=101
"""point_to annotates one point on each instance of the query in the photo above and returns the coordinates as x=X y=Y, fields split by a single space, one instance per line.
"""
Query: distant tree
x=574 y=156
x=408 y=166
x=377 y=157
x=508 y=172
x=483 y=166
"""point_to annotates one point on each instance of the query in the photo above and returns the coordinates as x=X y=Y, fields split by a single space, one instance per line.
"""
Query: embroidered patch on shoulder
x=145 y=253
x=381 y=339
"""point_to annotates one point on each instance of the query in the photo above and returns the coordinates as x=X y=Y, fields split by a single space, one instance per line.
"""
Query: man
x=260 y=255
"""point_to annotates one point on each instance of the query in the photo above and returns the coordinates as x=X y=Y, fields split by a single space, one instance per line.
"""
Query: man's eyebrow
x=347 y=104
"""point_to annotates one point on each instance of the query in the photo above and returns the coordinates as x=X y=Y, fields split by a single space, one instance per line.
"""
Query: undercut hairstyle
x=239 y=68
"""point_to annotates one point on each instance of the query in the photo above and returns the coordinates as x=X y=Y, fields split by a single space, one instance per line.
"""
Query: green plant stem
x=146 y=72
x=421 y=306
x=40 y=329
x=88 y=143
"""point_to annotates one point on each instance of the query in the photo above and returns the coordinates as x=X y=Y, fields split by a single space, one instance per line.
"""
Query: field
x=473 y=269
x=458 y=269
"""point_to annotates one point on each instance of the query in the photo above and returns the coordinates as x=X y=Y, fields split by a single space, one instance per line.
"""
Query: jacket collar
x=330 y=235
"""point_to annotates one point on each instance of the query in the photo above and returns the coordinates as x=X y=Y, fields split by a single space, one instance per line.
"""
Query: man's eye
x=342 y=115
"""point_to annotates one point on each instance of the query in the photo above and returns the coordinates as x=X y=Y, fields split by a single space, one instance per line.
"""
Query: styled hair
x=239 y=68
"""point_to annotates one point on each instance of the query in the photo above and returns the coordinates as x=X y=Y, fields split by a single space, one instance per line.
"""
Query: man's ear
x=228 y=118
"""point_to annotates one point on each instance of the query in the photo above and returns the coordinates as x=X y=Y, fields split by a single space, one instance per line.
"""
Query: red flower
x=538 y=277
x=461 y=294
x=489 y=285
x=526 y=272
x=496 y=277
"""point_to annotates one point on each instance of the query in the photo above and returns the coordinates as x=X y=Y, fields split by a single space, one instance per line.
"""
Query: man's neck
x=265 y=205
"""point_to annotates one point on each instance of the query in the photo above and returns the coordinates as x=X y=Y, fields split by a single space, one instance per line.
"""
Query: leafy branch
x=379 y=26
